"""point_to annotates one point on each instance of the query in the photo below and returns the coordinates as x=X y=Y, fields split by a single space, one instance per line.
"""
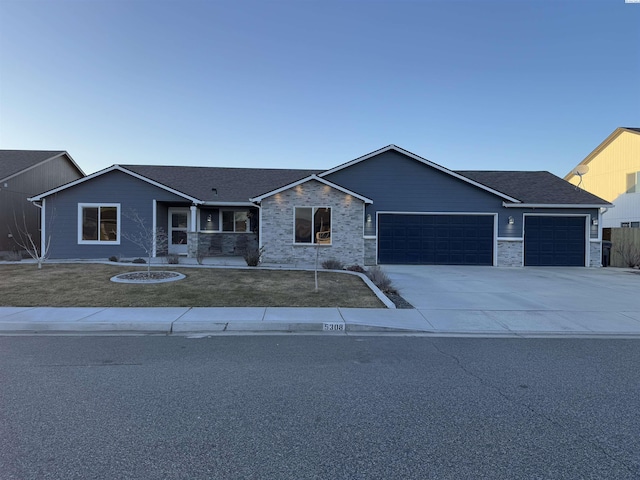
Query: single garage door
x=435 y=239
x=554 y=241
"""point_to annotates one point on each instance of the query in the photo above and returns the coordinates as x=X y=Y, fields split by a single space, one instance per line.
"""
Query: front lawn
x=88 y=285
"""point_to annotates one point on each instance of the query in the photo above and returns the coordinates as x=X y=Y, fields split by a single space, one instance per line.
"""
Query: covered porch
x=202 y=231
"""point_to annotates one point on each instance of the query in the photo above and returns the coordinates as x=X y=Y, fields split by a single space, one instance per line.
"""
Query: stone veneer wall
x=347 y=242
x=510 y=253
x=596 y=254
x=370 y=253
x=220 y=243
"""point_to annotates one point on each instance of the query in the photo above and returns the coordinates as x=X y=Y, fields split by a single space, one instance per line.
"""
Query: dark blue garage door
x=435 y=239
x=554 y=241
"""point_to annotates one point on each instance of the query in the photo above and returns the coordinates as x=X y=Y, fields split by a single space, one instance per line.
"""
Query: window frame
x=234 y=211
x=314 y=210
x=82 y=206
x=633 y=182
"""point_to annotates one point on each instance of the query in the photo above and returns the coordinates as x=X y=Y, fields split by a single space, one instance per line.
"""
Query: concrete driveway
x=534 y=297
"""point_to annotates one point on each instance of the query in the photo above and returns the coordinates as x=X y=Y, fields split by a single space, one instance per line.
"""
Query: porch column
x=194 y=217
x=192 y=235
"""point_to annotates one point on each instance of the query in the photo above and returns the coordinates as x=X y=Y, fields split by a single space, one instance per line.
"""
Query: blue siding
x=517 y=229
x=399 y=183
x=112 y=187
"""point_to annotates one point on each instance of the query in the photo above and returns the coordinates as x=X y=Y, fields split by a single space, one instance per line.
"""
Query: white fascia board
x=111 y=169
x=306 y=179
x=41 y=163
x=552 y=205
x=228 y=204
x=421 y=160
x=403 y=212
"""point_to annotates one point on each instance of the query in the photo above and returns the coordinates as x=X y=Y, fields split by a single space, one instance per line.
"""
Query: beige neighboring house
x=613 y=174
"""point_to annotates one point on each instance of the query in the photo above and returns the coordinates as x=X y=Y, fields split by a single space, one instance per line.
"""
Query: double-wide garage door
x=435 y=239
x=554 y=241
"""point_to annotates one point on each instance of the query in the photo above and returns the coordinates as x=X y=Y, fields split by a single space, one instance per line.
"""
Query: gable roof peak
x=14 y=162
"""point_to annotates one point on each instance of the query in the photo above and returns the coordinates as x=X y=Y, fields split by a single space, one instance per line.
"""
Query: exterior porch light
x=368 y=218
x=511 y=221
x=594 y=222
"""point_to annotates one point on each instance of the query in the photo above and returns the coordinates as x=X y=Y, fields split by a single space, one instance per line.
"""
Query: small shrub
x=200 y=257
x=173 y=259
x=11 y=257
x=629 y=252
x=114 y=258
x=381 y=280
x=139 y=260
x=356 y=268
x=253 y=256
x=332 y=264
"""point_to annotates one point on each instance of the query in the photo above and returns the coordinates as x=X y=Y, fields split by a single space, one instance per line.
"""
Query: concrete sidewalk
x=220 y=321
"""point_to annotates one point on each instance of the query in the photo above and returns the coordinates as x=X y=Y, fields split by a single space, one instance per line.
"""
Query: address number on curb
x=333 y=327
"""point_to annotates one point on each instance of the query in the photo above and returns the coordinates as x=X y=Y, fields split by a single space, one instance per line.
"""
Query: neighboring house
x=614 y=175
x=24 y=173
x=388 y=207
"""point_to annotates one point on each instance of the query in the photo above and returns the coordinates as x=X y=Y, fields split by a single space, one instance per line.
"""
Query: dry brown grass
x=88 y=285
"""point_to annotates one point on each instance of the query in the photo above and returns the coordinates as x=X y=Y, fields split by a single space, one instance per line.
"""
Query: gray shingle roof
x=241 y=184
x=232 y=184
x=534 y=187
x=14 y=161
x=632 y=128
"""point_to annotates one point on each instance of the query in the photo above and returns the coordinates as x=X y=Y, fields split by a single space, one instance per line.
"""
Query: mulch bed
x=398 y=301
x=142 y=276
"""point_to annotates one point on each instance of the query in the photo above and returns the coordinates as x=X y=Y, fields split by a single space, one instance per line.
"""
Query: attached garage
x=429 y=239
x=554 y=241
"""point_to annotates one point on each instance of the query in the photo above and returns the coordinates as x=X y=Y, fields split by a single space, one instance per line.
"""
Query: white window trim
x=313 y=242
x=99 y=242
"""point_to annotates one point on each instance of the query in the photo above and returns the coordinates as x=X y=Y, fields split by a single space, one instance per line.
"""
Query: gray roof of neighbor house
x=15 y=161
x=540 y=188
x=230 y=184
x=632 y=128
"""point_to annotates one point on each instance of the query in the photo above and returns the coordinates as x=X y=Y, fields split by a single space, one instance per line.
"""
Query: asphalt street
x=318 y=407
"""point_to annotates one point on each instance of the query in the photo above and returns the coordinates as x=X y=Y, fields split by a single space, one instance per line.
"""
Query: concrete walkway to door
x=531 y=299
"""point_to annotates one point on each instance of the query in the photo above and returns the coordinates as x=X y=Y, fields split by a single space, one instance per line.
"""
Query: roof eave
x=556 y=205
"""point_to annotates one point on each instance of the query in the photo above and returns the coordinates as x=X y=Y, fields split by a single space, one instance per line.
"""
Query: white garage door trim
x=587 y=231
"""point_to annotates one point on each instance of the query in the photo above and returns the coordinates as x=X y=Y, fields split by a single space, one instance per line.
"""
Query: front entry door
x=179 y=223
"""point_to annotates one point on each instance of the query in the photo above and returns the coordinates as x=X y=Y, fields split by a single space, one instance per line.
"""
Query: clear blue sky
x=492 y=85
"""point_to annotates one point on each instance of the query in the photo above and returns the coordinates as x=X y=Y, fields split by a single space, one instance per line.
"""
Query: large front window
x=99 y=223
x=312 y=225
